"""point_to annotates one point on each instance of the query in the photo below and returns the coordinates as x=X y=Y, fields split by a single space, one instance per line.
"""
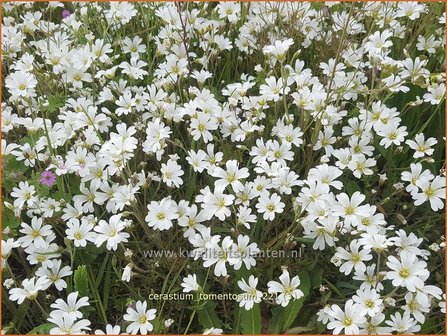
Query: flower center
x=201 y=127
x=429 y=192
x=349 y=210
x=366 y=221
x=54 y=277
x=142 y=319
x=288 y=290
x=404 y=273
x=347 y=321
x=355 y=258
x=422 y=148
x=413 y=306
x=371 y=328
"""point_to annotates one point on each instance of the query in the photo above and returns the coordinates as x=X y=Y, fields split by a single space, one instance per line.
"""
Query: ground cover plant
x=223 y=168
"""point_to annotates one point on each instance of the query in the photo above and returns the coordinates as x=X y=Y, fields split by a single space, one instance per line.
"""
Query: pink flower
x=47 y=178
x=65 y=13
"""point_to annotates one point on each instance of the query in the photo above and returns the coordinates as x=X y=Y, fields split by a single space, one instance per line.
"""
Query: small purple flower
x=47 y=178
x=66 y=13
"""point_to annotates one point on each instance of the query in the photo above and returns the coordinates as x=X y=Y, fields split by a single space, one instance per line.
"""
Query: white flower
x=416 y=174
x=156 y=132
x=80 y=231
x=127 y=273
x=324 y=232
x=403 y=324
x=201 y=126
x=354 y=258
x=171 y=172
x=414 y=308
x=8 y=283
x=374 y=326
x=245 y=252
x=229 y=10
x=285 y=290
x=370 y=278
x=168 y=323
x=379 y=42
x=432 y=191
x=407 y=242
x=23 y=194
x=134 y=46
x=279 y=49
x=269 y=205
x=350 y=208
x=361 y=165
x=347 y=320
x=71 y=307
x=410 y=9
x=161 y=214
x=140 y=318
x=220 y=255
x=34 y=233
x=197 y=160
x=21 y=84
x=110 y=330
x=190 y=284
x=407 y=272
x=231 y=176
x=251 y=295
x=273 y=88
x=192 y=221
x=213 y=331
x=67 y=325
x=369 y=301
x=435 y=94
x=391 y=133
x=31 y=288
x=422 y=146
x=216 y=203
x=110 y=232
x=55 y=274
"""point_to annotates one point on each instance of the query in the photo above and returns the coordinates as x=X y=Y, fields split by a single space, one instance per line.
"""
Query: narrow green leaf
x=107 y=286
x=275 y=321
x=43 y=329
x=208 y=316
x=101 y=271
x=251 y=320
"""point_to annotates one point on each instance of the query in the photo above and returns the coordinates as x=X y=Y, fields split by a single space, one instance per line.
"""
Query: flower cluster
x=226 y=129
